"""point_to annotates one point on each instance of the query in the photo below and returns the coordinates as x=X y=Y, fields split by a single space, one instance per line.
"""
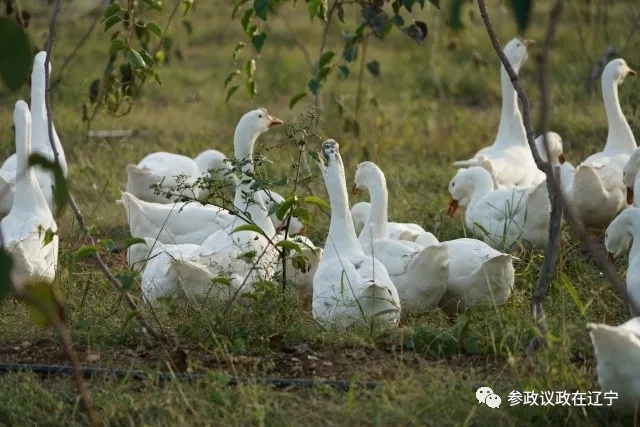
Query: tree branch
x=552 y=183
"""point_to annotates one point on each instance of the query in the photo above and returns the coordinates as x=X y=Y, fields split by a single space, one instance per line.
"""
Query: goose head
x=368 y=174
x=250 y=127
x=619 y=233
x=616 y=71
x=329 y=155
x=464 y=184
x=554 y=141
x=630 y=172
x=516 y=52
x=37 y=74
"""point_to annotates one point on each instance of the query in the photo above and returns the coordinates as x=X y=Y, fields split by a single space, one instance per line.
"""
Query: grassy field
x=432 y=104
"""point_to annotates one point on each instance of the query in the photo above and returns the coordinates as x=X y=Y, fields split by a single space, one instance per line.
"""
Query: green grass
x=429 y=370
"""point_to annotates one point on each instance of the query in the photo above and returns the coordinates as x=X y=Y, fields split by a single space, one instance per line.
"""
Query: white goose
x=501 y=216
x=23 y=229
x=396 y=230
x=244 y=256
x=419 y=273
x=567 y=170
x=617 y=349
x=348 y=287
x=598 y=188
x=39 y=142
x=631 y=178
x=509 y=158
x=271 y=198
x=622 y=230
x=215 y=165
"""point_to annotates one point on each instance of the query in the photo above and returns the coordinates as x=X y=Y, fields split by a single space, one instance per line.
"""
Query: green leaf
x=374 y=68
x=344 y=71
x=126 y=280
x=257 y=40
x=436 y=3
x=231 y=91
x=285 y=206
x=262 y=8
x=111 y=10
x=135 y=59
x=186 y=6
x=314 y=86
x=116 y=45
x=46 y=297
x=455 y=15
x=250 y=68
x=83 y=252
x=6 y=265
x=230 y=77
x=154 y=28
x=326 y=58
x=296 y=98
x=302 y=214
x=252 y=88
x=247 y=227
x=288 y=244
x=315 y=200
x=16 y=58
x=111 y=21
x=350 y=53
x=522 y=13
x=568 y=285
x=221 y=280
x=273 y=208
x=246 y=19
x=148 y=60
x=60 y=185
x=132 y=241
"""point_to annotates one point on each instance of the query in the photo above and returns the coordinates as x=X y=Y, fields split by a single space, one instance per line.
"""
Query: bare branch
x=552 y=183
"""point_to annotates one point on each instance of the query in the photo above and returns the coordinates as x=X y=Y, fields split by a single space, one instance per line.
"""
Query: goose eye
x=260 y=116
x=453 y=184
x=518 y=45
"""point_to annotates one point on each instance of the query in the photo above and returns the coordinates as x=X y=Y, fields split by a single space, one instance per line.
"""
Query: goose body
x=419 y=273
x=349 y=286
x=617 y=350
x=509 y=158
x=503 y=216
x=39 y=142
x=624 y=229
x=396 y=230
x=567 y=170
x=631 y=178
x=599 y=193
x=23 y=229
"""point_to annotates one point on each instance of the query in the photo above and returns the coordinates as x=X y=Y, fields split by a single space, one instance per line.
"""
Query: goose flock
x=370 y=269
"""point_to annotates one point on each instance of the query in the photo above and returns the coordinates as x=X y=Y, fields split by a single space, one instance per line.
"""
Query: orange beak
x=275 y=122
x=631 y=72
x=528 y=43
x=629 y=196
x=355 y=190
x=611 y=257
x=303 y=231
x=561 y=158
x=453 y=206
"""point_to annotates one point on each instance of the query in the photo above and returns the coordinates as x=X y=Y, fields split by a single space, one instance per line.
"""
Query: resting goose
x=631 y=178
x=419 y=273
x=556 y=151
x=396 y=230
x=599 y=193
x=502 y=216
x=509 y=158
x=349 y=286
x=23 y=229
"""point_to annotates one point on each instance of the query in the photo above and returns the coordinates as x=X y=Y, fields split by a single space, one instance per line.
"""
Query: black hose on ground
x=88 y=372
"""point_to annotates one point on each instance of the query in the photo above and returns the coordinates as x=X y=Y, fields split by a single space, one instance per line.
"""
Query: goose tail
x=380 y=304
x=429 y=273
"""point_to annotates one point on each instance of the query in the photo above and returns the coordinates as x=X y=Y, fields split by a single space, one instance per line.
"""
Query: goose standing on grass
x=617 y=349
x=631 y=178
x=348 y=287
x=23 y=229
x=396 y=230
x=509 y=158
x=246 y=256
x=556 y=151
x=622 y=230
x=419 y=273
x=39 y=142
x=599 y=193
x=502 y=216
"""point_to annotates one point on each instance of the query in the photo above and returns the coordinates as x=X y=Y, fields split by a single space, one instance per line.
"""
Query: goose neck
x=26 y=181
x=511 y=129
x=379 y=209
x=482 y=185
x=619 y=137
x=342 y=234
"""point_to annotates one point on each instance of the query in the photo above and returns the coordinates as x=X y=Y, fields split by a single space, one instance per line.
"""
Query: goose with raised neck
x=620 y=138
x=377 y=227
x=30 y=211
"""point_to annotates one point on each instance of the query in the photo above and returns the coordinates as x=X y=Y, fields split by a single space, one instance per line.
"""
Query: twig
x=551 y=255
x=74 y=207
x=603 y=263
x=73 y=53
x=65 y=339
